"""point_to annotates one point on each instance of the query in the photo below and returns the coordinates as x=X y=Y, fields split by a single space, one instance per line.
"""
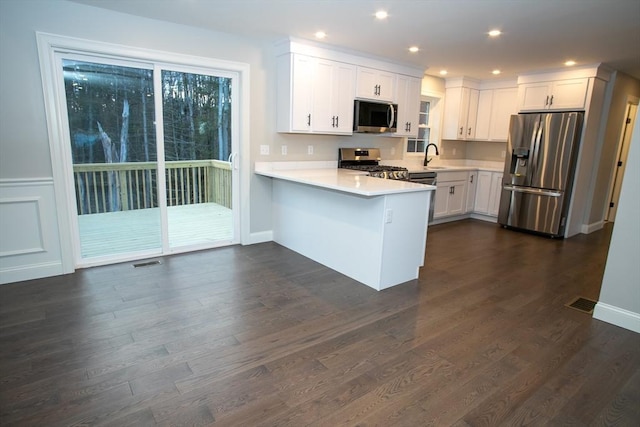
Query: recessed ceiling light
x=443 y=72
x=495 y=33
x=495 y=72
x=414 y=49
x=381 y=14
x=320 y=35
x=570 y=63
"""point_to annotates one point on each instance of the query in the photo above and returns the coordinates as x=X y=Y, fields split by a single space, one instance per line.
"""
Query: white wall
x=619 y=301
x=24 y=145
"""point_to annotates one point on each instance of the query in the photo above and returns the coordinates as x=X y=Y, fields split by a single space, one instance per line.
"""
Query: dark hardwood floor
x=261 y=336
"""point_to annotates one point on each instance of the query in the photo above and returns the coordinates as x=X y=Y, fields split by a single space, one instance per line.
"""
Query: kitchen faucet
x=426 y=150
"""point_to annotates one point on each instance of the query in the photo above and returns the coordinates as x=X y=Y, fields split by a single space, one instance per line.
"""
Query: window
x=417 y=145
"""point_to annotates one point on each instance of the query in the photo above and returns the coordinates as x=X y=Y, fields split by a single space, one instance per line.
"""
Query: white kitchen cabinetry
x=570 y=94
x=471 y=191
x=488 y=192
x=460 y=113
x=314 y=95
x=495 y=193
x=408 y=100
x=450 y=194
x=375 y=84
x=495 y=107
x=333 y=97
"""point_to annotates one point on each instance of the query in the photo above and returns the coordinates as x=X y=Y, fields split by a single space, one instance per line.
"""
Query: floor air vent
x=146 y=264
x=584 y=305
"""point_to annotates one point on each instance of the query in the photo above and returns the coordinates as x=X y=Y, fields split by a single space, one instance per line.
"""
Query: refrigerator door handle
x=537 y=191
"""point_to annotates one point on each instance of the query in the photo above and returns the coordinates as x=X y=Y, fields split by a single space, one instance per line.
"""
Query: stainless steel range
x=368 y=160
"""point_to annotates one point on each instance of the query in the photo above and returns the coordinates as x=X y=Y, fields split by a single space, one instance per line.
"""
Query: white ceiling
x=538 y=34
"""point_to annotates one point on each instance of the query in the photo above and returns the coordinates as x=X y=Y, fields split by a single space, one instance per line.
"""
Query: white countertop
x=356 y=182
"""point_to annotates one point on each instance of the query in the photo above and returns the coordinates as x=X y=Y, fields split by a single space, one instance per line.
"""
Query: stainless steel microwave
x=374 y=117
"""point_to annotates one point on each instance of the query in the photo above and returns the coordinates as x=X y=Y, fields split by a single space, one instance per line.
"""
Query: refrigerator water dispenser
x=519 y=161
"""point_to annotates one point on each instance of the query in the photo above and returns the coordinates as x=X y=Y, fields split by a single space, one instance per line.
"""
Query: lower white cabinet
x=471 y=191
x=451 y=196
x=488 y=191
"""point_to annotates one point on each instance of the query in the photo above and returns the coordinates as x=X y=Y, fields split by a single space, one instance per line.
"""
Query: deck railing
x=109 y=187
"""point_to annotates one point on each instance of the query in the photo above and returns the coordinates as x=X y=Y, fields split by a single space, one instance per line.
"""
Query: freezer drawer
x=532 y=209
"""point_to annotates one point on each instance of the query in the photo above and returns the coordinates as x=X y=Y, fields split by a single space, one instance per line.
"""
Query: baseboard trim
x=30 y=272
x=617 y=316
x=259 y=237
x=590 y=228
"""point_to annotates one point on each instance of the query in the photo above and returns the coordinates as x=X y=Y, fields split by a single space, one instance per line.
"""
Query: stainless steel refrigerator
x=538 y=173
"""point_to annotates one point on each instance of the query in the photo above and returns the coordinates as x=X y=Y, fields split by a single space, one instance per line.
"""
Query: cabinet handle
x=408 y=127
x=471 y=179
x=461 y=131
x=546 y=102
x=333 y=121
x=551 y=101
x=469 y=132
x=309 y=120
x=337 y=121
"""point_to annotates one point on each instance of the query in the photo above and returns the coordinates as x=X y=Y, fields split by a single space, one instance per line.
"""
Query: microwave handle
x=393 y=115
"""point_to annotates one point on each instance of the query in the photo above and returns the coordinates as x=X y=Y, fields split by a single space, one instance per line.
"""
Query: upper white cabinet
x=408 y=100
x=495 y=107
x=375 y=84
x=316 y=87
x=460 y=113
x=570 y=94
x=314 y=95
x=333 y=97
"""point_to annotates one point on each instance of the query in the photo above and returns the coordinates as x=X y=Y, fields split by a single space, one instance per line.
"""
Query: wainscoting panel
x=29 y=238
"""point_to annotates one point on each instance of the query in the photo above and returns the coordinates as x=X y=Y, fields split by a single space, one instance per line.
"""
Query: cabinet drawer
x=452 y=176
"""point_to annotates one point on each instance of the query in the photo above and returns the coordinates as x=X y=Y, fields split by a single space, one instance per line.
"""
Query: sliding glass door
x=150 y=148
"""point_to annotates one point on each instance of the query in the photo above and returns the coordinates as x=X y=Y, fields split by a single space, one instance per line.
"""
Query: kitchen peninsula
x=370 y=229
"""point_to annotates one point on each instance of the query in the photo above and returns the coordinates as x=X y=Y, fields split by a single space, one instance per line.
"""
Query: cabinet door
x=343 y=99
x=323 y=119
x=504 y=105
x=301 y=108
x=495 y=193
x=472 y=114
x=471 y=191
x=375 y=84
x=441 y=203
x=483 y=189
x=333 y=99
x=483 y=118
x=457 y=198
x=452 y=107
x=408 y=100
x=534 y=96
x=569 y=94
x=460 y=111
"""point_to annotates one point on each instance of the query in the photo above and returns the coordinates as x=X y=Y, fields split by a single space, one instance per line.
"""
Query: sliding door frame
x=49 y=48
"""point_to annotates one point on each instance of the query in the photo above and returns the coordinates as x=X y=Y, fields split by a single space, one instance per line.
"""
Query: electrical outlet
x=309 y=149
x=393 y=151
x=503 y=154
x=264 y=150
x=454 y=151
x=284 y=150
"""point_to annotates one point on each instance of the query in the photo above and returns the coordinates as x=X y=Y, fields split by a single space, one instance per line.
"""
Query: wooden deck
x=139 y=230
